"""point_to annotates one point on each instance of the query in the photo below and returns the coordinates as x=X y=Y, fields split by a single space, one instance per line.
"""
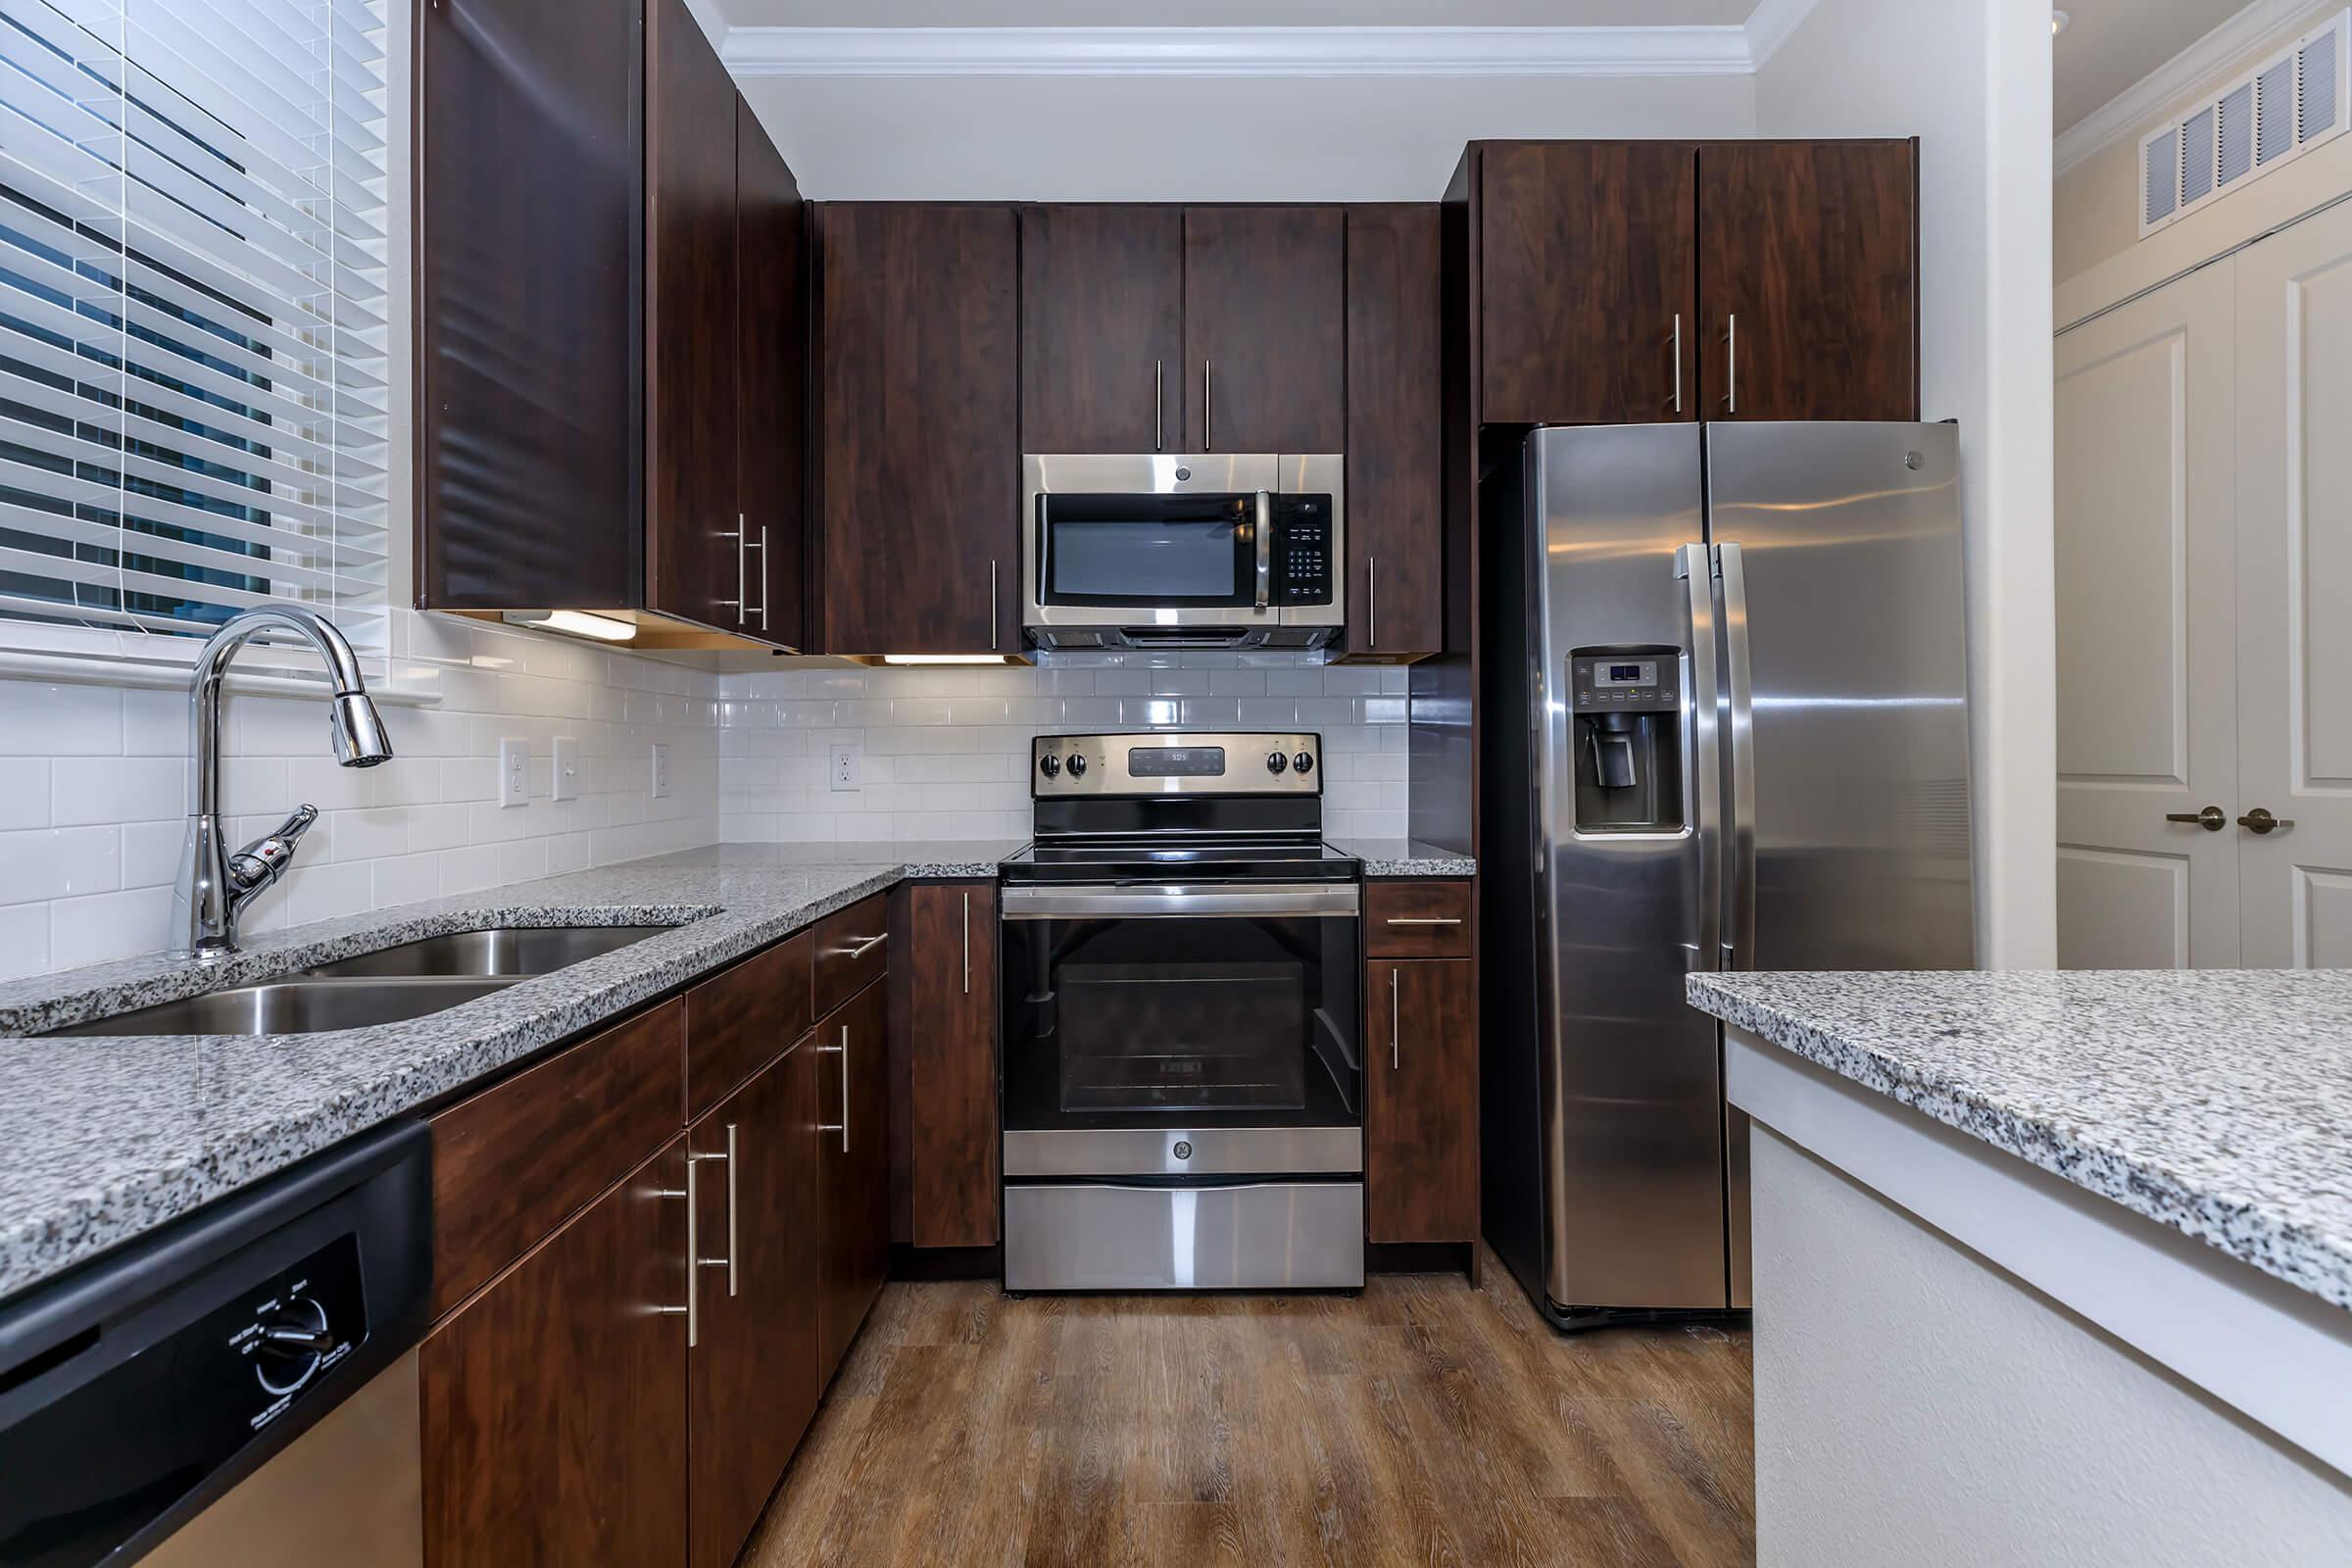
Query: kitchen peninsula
x=2049 y=1268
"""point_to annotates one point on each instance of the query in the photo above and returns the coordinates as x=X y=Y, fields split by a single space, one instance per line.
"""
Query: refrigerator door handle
x=1695 y=567
x=1739 y=914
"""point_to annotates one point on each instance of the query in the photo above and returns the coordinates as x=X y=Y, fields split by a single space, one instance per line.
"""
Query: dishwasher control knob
x=1048 y=764
x=1276 y=762
x=1077 y=765
x=1305 y=762
x=290 y=1344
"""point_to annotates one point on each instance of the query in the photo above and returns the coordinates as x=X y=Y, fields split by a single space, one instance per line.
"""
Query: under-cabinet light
x=945 y=658
x=574 y=623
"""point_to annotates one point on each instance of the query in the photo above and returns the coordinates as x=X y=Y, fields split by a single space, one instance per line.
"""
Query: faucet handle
x=265 y=858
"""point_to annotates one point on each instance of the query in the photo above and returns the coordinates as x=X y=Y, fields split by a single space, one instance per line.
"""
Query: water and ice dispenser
x=1626 y=733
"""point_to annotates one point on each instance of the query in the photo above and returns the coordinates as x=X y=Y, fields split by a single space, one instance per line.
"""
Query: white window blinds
x=193 y=344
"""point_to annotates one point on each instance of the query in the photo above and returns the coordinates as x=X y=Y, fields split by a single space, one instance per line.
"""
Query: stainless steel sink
x=295 y=1007
x=511 y=951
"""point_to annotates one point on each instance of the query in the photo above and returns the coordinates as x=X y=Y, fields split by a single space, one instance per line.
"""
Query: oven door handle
x=1313 y=901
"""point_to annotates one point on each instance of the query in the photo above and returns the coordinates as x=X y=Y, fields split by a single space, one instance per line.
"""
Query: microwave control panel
x=1301 y=551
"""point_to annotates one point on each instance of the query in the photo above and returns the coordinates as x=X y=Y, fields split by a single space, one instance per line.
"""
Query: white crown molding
x=1433 y=51
x=2138 y=106
x=1770 y=25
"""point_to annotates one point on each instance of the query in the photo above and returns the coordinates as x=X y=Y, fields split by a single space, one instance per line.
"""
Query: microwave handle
x=1044 y=546
x=1265 y=547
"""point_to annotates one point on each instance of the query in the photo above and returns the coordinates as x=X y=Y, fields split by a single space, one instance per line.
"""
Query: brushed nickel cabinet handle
x=2259 y=821
x=764 y=576
x=992 y=606
x=967 y=943
x=1396 y=1055
x=1425 y=919
x=1158 y=442
x=1206 y=443
x=1678 y=362
x=2212 y=820
x=842 y=1126
x=1731 y=384
x=692 y=1311
x=1372 y=592
x=860 y=946
x=742 y=609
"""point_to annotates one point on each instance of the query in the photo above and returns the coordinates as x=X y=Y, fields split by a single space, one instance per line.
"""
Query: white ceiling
x=2110 y=44
x=1235 y=12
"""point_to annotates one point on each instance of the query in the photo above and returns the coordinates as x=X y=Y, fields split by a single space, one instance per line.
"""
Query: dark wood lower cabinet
x=944 y=1023
x=554 y=1406
x=852 y=1046
x=752 y=1375
x=1421 y=1101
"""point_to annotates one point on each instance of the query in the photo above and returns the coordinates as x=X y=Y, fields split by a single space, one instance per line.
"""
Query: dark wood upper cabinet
x=853 y=1087
x=770 y=378
x=528 y=472
x=1421 y=1101
x=1396 y=433
x=1102 y=328
x=751 y=1377
x=1808 y=256
x=944 y=1021
x=690 y=330
x=554 y=1406
x=914 y=537
x=1265 y=328
x=1587 y=282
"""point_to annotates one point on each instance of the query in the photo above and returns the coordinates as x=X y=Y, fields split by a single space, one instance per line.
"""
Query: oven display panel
x=1176 y=761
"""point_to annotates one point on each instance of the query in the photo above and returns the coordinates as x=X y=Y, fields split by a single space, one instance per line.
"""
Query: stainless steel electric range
x=1183 y=1089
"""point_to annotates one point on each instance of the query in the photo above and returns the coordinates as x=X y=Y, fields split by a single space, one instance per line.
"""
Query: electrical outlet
x=661 y=769
x=514 y=773
x=566 y=784
x=842 y=770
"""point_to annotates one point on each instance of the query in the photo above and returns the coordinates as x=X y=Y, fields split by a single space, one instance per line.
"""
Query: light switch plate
x=565 y=785
x=513 y=772
x=842 y=767
x=661 y=769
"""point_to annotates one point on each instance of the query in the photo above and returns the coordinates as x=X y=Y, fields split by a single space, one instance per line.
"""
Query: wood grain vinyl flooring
x=1423 y=1422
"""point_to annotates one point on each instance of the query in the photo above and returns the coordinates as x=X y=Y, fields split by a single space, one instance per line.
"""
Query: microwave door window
x=1149 y=551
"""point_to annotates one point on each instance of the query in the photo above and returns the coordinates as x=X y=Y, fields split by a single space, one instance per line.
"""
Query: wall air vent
x=2275 y=113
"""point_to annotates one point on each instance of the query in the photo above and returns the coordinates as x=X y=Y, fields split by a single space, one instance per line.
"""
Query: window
x=193 y=314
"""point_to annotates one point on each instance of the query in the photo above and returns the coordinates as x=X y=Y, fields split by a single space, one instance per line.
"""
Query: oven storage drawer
x=1245 y=1235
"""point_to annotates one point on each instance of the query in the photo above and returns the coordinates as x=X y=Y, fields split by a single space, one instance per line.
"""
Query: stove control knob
x=1050 y=764
x=293 y=1340
x=1305 y=762
x=1276 y=762
x=1077 y=765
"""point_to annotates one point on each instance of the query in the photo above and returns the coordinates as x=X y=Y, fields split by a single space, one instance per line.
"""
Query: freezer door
x=1631 y=1094
x=1845 y=680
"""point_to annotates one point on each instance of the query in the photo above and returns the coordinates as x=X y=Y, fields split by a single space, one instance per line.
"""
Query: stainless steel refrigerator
x=1723 y=725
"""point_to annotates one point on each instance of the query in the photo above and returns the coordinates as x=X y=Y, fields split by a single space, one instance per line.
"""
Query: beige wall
x=2095 y=203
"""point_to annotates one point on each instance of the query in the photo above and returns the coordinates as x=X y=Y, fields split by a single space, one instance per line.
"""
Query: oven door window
x=1212 y=1020
x=1147 y=550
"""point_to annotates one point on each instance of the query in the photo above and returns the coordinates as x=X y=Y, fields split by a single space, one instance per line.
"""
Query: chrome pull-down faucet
x=215 y=884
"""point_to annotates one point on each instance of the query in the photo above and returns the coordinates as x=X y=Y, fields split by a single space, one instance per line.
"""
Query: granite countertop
x=2218 y=1103
x=1396 y=857
x=109 y=1137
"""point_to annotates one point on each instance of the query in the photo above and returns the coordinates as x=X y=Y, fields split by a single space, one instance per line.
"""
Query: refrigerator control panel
x=1644 y=683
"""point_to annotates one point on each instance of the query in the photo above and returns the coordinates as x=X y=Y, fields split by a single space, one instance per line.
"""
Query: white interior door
x=2147 y=631
x=2294 y=496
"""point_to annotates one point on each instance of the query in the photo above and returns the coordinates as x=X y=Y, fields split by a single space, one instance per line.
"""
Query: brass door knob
x=2259 y=821
x=2212 y=820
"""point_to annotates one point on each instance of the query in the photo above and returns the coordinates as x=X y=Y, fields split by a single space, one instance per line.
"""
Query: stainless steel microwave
x=1164 y=550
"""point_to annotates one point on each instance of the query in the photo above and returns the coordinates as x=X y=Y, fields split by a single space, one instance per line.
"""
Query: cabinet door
x=554 y=1406
x=1396 y=459
x=1265 y=328
x=853 y=1167
x=1421 y=1102
x=527 y=454
x=919 y=446
x=948 y=1023
x=1102 y=327
x=1588 y=287
x=751 y=1382
x=1808 y=256
x=691 y=557
x=770 y=372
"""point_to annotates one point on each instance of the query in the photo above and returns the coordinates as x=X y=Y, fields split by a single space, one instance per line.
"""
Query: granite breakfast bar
x=2049 y=1268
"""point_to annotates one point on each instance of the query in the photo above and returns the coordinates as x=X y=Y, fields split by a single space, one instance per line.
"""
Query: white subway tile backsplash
x=24 y=792
x=116 y=789
x=107 y=925
x=46 y=719
x=60 y=862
